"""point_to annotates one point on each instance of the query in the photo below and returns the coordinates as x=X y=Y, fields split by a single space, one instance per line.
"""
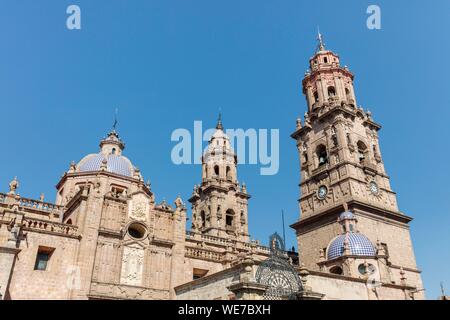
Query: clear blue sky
x=167 y=63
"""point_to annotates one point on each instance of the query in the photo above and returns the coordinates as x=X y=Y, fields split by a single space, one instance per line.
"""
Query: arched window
x=216 y=170
x=113 y=151
x=336 y=270
x=228 y=173
x=229 y=217
x=331 y=92
x=347 y=93
x=203 y=218
x=316 y=97
x=325 y=60
x=362 y=152
x=322 y=155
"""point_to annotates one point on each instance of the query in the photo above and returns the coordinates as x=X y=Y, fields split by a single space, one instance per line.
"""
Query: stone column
x=8 y=255
x=320 y=92
x=213 y=222
x=310 y=98
x=7 y=260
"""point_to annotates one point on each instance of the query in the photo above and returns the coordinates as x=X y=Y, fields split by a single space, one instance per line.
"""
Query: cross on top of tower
x=321 y=46
x=115 y=120
x=219 y=122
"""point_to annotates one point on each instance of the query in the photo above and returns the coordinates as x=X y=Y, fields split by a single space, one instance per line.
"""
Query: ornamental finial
x=115 y=119
x=320 y=39
x=13 y=186
x=219 y=122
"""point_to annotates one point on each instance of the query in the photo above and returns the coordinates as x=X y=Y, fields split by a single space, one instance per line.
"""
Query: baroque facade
x=105 y=237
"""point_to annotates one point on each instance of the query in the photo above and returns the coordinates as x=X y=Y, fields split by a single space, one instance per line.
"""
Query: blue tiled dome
x=115 y=164
x=346 y=215
x=359 y=245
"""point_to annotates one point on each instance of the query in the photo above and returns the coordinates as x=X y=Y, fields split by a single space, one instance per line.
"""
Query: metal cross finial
x=115 y=119
x=219 y=121
x=320 y=39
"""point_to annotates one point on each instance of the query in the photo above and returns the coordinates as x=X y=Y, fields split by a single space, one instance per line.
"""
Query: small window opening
x=322 y=155
x=42 y=258
x=331 y=92
x=362 y=152
x=229 y=218
x=316 y=97
x=198 y=273
x=336 y=270
x=137 y=231
x=203 y=218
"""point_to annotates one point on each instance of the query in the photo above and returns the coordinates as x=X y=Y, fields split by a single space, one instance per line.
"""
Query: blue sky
x=167 y=63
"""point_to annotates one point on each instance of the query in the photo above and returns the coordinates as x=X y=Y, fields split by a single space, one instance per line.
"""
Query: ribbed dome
x=115 y=164
x=359 y=245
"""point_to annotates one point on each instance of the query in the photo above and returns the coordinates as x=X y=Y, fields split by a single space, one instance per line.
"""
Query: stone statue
x=179 y=203
x=73 y=166
x=13 y=186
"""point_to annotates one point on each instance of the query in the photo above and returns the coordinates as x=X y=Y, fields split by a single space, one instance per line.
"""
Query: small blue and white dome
x=358 y=243
x=347 y=215
x=117 y=164
x=109 y=158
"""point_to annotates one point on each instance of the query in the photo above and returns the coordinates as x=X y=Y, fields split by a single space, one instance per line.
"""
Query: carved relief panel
x=132 y=265
x=138 y=207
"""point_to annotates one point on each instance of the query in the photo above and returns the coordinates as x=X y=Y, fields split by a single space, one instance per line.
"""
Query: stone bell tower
x=219 y=204
x=341 y=162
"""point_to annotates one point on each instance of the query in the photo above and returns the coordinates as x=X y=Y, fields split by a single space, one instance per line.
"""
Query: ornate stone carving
x=13 y=186
x=138 y=207
x=132 y=265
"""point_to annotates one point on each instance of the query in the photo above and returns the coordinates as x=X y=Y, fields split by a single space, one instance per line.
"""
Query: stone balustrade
x=49 y=227
x=227 y=242
x=39 y=205
x=203 y=254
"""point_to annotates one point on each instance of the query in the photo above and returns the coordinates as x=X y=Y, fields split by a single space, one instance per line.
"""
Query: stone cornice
x=336 y=167
x=315 y=74
x=207 y=278
x=162 y=242
x=110 y=233
x=334 y=211
x=351 y=279
x=100 y=173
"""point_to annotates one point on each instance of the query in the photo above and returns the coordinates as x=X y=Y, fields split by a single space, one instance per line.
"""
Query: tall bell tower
x=341 y=163
x=219 y=204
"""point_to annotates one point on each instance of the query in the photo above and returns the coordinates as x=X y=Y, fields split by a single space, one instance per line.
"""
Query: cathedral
x=105 y=237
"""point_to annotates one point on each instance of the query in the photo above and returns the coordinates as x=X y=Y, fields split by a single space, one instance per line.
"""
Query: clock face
x=322 y=192
x=374 y=188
